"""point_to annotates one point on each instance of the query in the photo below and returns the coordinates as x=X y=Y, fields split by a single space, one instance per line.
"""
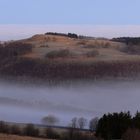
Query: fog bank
x=20 y=103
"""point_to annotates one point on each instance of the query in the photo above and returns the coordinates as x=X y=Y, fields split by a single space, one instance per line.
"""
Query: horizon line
x=21 y=31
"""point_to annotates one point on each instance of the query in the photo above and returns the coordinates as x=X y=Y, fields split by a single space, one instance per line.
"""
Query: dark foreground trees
x=113 y=126
x=119 y=125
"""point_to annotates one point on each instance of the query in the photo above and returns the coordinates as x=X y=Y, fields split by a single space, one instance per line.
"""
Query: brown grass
x=14 y=137
x=58 y=53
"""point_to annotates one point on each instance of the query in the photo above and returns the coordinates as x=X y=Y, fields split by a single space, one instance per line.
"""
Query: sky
x=104 y=13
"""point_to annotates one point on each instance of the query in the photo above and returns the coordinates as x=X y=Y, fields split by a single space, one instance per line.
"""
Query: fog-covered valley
x=30 y=103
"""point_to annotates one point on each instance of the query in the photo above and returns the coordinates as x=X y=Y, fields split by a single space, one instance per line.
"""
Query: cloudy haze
x=13 y=32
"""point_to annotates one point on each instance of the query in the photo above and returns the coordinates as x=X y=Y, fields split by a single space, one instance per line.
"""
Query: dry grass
x=92 y=53
x=108 y=50
x=14 y=137
x=58 y=54
x=85 y=62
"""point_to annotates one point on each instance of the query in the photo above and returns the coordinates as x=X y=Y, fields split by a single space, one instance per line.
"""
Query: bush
x=58 y=53
x=15 y=130
x=30 y=130
x=82 y=42
x=51 y=134
x=4 y=128
x=92 y=53
x=13 y=49
x=44 y=46
x=131 y=49
x=91 y=46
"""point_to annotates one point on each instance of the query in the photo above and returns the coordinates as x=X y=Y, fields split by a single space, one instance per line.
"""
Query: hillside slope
x=60 y=57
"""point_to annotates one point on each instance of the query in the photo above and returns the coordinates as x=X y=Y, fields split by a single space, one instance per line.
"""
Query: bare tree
x=50 y=120
x=93 y=124
x=82 y=122
x=74 y=123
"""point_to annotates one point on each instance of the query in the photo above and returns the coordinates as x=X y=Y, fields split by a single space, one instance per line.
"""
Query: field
x=15 y=137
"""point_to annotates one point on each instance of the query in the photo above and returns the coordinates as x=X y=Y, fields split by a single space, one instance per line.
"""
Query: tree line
x=128 y=40
x=118 y=125
x=71 y=35
x=14 y=49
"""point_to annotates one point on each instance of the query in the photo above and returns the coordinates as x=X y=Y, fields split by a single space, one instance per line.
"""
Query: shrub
x=72 y=35
x=13 y=49
x=51 y=134
x=15 y=130
x=58 y=53
x=4 y=128
x=82 y=42
x=44 y=46
x=50 y=120
x=92 y=53
x=131 y=49
x=30 y=130
x=91 y=46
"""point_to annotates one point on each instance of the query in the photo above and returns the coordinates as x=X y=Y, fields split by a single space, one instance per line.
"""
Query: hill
x=53 y=56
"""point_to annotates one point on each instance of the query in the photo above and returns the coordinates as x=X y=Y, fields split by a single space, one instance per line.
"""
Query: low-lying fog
x=20 y=103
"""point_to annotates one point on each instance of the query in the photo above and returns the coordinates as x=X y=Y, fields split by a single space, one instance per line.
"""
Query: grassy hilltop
x=60 y=56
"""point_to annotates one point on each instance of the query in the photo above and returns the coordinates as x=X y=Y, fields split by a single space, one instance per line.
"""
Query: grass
x=131 y=49
x=15 y=137
x=58 y=53
x=75 y=61
x=92 y=53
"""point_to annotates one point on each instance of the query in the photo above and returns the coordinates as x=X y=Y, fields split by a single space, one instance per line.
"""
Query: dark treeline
x=128 y=40
x=110 y=126
x=70 y=133
x=71 y=35
x=51 y=70
x=28 y=130
x=118 y=125
x=12 y=49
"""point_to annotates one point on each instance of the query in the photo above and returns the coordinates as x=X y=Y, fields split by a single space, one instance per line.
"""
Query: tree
x=136 y=120
x=82 y=122
x=51 y=134
x=30 y=130
x=4 y=128
x=74 y=123
x=72 y=35
x=50 y=120
x=15 y=130
x=113 y=126
x=93 y=124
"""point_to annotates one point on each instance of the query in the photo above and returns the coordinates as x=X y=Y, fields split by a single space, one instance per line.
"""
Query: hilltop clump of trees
x=71 y=35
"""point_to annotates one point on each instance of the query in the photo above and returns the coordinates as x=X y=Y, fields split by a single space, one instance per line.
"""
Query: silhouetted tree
x=112 y=126
x=30 y=130
x=82 y=122
x=14 y=129
x=50 y=120
x=4 y=128
x=93 y=124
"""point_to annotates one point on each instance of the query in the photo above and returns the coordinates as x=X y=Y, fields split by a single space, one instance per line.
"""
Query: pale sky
x=99 y=18
x=99 y=12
